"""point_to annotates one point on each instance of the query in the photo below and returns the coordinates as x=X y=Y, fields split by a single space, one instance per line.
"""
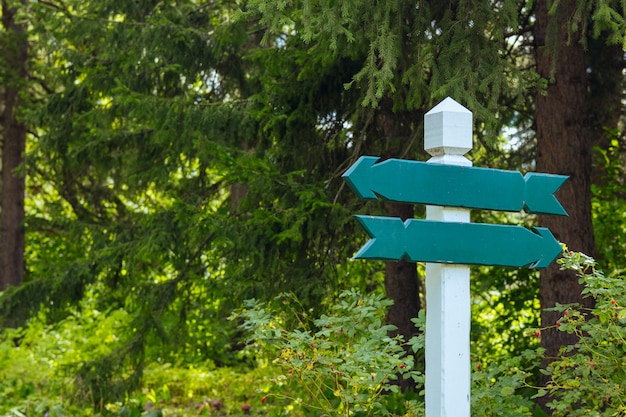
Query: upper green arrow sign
x=407 y=181
x=459 y=243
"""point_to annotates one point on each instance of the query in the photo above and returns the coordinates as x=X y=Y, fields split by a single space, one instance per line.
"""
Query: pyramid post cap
x=448 y=129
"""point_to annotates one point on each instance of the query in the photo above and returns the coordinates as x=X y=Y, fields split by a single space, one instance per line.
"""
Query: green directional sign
x=459 y=243
x=457 y=186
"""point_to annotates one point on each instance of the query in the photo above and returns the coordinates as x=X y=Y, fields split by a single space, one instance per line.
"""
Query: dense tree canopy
x=184 y=156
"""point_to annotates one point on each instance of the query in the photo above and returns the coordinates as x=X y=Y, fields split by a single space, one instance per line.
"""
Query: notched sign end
x=539 y=195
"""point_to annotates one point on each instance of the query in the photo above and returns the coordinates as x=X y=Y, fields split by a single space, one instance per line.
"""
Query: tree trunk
x=402 y=284
x=401 y=281
x=563 y=147
x=13 y=146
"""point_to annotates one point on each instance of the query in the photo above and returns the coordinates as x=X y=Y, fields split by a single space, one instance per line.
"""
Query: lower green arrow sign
x=458 y=243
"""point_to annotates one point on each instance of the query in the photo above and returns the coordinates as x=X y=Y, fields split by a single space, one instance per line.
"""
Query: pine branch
x=40 y=81
x=60 y=7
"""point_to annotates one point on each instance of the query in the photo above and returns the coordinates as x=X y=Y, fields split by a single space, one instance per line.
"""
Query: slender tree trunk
x=402 y=284
x=563 y=147
x=401 y=281
x=13 y=146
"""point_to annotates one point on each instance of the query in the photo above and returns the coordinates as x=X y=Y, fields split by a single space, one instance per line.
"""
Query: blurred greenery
x=189 y=235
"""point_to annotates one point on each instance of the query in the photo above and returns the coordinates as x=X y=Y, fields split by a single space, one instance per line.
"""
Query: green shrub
x=589 y=378
x=500 y=389
x=191 y=390
x=345 y=364
x=36 y=361
x=337 y=364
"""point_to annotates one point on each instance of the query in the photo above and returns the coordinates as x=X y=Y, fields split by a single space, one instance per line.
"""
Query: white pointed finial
x=448 y=129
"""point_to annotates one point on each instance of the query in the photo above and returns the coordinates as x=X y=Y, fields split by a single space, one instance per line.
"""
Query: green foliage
x=337 y=364
x=38 y=375
x=609 y=206
x=36 y=361
x=505 y=305
x=203 y=389
x=606 y=16
x=587 y=379
x=340 y=364
x=153 y=189
x=411 y=53
x=177 y=166
x=500 y=388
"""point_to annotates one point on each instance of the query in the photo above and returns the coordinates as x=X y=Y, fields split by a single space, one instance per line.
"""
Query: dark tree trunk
x=402 y=284
x=13 y=146
x=563 y=147
x=401 y=281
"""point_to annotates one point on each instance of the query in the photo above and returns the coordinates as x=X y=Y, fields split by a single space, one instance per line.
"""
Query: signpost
x=457 y=243
x=448 y=242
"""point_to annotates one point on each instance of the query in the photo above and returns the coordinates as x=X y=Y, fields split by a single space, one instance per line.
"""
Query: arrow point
x=360 y=177
x=539 y=195
x=550 y=248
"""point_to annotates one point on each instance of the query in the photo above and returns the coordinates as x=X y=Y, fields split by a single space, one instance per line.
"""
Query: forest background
x=174 y=228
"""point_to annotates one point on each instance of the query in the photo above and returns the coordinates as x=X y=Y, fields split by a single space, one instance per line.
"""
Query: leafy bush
x=38 y=373
x=589 y=378
x=342 y=364
x=500 y=389
x=36 y=361
x=338 y=364
x=191 y=390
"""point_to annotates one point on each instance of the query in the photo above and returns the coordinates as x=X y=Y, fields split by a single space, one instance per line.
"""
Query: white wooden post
x=447 y=137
